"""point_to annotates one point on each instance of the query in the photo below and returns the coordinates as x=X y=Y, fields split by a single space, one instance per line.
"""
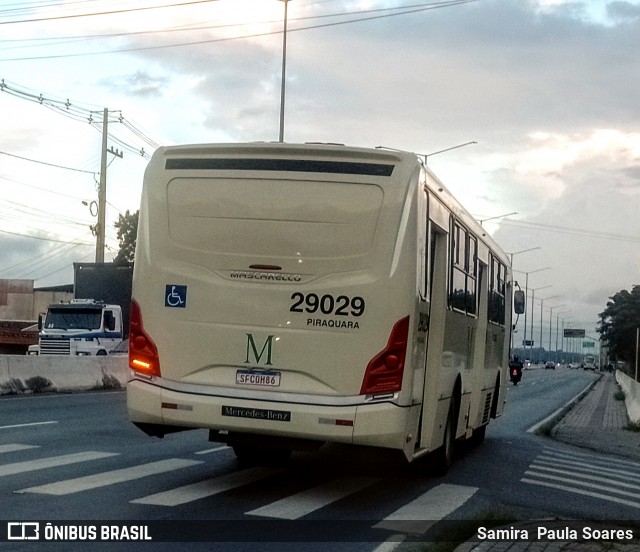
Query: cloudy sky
x=549 y=90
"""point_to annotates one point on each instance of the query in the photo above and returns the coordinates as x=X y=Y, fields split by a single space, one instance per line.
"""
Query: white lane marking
x=423 y=512
x=305 y=502
x=582 y=492
x=104 y=479
x=16 y=447
x=390 y=544
x=203 y=489
x=52 y=462
x=28 y=425
x=209 y=451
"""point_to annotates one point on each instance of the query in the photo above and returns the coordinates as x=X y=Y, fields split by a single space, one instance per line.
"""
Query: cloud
x=139 y=83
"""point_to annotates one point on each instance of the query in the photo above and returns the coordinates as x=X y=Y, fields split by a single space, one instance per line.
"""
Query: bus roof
x=314 y=157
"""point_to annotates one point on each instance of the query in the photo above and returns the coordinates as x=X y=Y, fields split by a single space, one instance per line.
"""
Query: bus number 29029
x=327 y=304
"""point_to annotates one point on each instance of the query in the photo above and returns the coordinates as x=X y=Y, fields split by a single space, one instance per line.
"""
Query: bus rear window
x=272 y=217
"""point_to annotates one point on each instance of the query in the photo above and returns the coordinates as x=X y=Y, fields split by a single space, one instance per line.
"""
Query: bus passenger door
x=430 y=434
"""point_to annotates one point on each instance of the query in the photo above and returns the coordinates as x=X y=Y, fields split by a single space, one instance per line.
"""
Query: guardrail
x=22 y=374
x=631 y=389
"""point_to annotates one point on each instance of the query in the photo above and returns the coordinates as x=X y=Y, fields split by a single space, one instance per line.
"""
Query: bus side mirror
x=40 y=322
x=518 y=301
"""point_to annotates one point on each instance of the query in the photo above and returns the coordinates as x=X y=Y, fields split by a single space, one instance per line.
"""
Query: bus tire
x=478 y=435
x=445 y=454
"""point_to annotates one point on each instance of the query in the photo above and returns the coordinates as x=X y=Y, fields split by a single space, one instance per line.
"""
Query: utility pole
x=102 y=190
x=284 y=73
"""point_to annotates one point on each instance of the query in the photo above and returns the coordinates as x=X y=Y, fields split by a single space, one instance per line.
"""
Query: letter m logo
x=262 y=357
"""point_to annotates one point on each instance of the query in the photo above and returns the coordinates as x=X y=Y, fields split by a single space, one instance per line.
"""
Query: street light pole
x=284 y=72
x=551 y=326
x=541 y=308
x=502 y=216
x=427 y=155
x=533 y=302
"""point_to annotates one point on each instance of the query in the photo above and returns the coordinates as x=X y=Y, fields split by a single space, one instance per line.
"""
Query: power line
x=82 y=114
x=47 y=164
x=572 y=231
x=110 y=12
x=414 y=9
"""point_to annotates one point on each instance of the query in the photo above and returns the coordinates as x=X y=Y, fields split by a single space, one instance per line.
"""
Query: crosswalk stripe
x=305 y=502
x=52 y=462
x=609 y=461
x=16 y=447
x=586 y=475
x=583 y=492
x=589 y=467
x=111 y=477
x=203 y=489
x=420 y=514
x=578 y=481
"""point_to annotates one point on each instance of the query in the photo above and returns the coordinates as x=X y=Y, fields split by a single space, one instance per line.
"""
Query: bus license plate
x=258 y=378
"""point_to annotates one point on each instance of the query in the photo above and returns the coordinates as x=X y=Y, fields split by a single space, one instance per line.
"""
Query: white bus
x=590 y=362
x=286 y=295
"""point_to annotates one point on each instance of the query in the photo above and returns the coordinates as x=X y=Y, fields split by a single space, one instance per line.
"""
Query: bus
x=286 y=296
x=590 y=362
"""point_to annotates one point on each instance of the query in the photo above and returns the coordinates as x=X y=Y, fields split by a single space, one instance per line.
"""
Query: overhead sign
x=573 y=332
x=588 y=344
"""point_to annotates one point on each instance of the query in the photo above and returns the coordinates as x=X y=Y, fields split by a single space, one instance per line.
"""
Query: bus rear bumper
x=159 y=410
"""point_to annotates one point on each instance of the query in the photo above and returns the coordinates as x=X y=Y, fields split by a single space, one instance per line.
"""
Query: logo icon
x=23 y=530
x=175 y=296
x=252 y=351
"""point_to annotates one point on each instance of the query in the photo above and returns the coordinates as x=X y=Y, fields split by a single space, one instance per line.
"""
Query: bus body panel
x=269 y=276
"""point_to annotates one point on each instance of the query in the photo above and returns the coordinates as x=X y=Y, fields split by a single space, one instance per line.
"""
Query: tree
x=619 y=322
x=127 y=227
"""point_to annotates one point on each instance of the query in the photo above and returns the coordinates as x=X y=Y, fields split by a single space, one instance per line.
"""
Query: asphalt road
x=76 y=457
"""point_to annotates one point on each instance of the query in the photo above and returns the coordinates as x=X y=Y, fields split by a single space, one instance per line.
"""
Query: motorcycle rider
x=515 y=369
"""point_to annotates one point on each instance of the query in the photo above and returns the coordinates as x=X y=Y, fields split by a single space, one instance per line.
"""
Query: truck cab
x=82 y=327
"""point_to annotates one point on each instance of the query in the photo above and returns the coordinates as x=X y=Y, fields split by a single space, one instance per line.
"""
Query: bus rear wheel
x=444 y=456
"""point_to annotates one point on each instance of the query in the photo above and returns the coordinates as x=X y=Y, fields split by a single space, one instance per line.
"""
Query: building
x=20 y=305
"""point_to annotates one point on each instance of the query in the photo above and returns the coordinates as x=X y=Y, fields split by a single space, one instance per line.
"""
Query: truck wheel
x=101 y=352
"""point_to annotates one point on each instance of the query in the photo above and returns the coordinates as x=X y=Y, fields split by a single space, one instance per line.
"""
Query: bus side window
x=497 y=292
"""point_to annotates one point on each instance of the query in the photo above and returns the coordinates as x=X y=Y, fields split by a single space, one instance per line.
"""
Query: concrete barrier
x=631 y=390
x=65 y=373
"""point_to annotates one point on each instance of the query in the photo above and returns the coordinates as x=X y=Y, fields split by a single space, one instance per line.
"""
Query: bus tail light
x=384 y=371
x=143 y=353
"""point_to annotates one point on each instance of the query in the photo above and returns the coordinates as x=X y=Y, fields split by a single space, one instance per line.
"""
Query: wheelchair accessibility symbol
x=175 y=296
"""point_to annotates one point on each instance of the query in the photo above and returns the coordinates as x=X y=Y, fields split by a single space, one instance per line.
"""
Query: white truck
x=82 y=327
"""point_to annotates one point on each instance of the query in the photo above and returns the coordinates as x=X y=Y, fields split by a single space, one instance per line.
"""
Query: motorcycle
x=515 y=372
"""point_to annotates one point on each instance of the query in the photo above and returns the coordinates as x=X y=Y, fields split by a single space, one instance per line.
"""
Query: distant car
x=550 y=365
x=574 y=365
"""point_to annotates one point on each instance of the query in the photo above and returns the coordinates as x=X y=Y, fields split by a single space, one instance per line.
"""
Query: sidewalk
x=598 y=423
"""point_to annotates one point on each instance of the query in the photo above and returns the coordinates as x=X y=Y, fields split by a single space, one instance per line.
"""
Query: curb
x=560 y=413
